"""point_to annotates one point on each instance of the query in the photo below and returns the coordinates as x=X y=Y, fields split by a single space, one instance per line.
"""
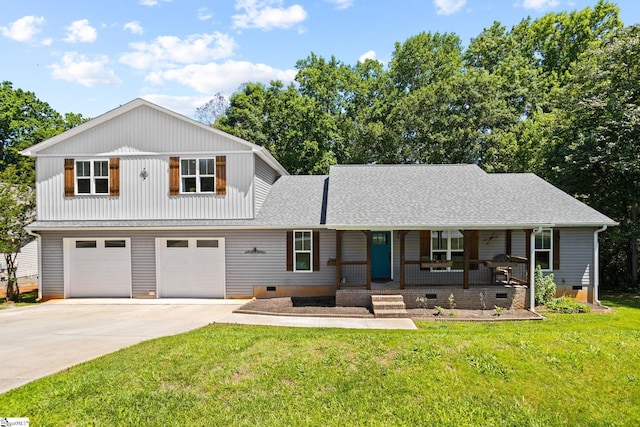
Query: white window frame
x=449 y=251
x=92 y=177
x=303 y=251
x=548 y=231
x=198 y=176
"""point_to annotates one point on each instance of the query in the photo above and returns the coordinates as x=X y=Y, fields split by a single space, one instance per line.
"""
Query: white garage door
x=97 y=267
x=190 y=268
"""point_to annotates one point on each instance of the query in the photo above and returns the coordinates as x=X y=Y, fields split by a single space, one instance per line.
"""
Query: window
x=197 y=175
x=448 y=245
x=115 y=244
x=84 y=244
x=177 y=243
x=207 y=244
x=544 y=249
x=302 y=245
x=92 y=176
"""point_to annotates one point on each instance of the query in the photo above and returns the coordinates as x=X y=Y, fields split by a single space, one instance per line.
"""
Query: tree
x=214 y=108
x=596 y=154
x=17 y=207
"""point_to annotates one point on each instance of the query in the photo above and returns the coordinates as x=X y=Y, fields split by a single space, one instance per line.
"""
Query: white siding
x=243 y=270
x=145 y=130
x=145 y=198
x=265 y=177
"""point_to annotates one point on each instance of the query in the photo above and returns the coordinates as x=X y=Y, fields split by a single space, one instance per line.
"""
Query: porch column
x=338 y=257
x=402 y=236
x=368 y=234
x=466 y=235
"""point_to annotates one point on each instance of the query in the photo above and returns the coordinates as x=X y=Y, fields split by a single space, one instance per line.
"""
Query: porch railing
x=480 y=273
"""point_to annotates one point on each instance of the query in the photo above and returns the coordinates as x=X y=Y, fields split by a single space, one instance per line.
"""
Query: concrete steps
x=389 y=306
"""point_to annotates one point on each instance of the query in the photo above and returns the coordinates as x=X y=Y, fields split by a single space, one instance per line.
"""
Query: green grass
x=570 y=370
x=28 y=298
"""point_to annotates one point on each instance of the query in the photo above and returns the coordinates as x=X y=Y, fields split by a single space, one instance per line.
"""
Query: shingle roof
x=443 y=196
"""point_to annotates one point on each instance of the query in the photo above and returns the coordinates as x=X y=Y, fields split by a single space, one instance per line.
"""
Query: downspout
x=39 y=237
x=596 y=264
x=532 y=268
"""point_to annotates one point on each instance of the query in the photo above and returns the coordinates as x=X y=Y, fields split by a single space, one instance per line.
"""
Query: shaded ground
x=326 y=307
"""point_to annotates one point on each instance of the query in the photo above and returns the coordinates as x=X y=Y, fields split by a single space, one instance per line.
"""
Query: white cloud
x=24 y=29
x=370 y=54
x=267 y=14
x=204 y=14
x=81 y=31
x=79 y=69
x=540 y=4
x=170 y=51
x=448 y=7
x=342 y=4
x=134 y=27
x=226 y=77
x=152 y=2
x=46 y=42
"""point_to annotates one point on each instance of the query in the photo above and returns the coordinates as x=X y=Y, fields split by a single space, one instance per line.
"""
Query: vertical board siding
x=244 y=270
x=146 y=130
x=265 y=177
x=145 y=198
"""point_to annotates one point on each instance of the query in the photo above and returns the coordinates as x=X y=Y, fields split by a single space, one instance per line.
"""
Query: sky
x=89 y=57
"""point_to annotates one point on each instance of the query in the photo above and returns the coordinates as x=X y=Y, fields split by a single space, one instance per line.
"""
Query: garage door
x=97 y=267
x=190 y=267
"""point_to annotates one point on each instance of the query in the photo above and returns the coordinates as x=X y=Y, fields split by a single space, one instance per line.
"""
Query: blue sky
x=91 y=56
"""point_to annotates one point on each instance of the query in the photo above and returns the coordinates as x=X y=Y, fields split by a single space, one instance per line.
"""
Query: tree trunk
x=634 y=245
x=13 y=290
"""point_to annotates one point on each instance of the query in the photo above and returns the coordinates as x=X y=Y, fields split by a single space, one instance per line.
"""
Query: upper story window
x=197 y=175
x=448 y=245
x=544 y=249
x=92 y=177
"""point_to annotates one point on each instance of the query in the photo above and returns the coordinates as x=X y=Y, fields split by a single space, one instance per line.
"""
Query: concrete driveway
x=41 y=340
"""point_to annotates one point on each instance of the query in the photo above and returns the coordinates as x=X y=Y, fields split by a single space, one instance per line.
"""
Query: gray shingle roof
x=443 y=196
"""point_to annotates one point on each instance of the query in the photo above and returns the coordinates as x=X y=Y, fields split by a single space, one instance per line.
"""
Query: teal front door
x=381 y=255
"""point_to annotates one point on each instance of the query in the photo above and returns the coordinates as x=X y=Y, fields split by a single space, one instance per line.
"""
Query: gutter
x=596 y=264
x=39 y=237
x=532 y=269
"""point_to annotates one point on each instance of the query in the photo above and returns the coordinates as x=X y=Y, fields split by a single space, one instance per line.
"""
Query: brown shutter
x=527 y=250
x=289 y=250
x=174 y=176
x=114 y=176
x=316 y=251
x=474 y=238
x=221 y=175
x=69 y=178
x=425 y=244
x=507 y=249
x=556 y=249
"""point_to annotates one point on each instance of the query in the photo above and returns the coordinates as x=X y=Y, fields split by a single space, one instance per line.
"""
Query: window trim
x=197 y=176
x=449 y=250
x=91 y=177
x=550 y=250
x=302 y=251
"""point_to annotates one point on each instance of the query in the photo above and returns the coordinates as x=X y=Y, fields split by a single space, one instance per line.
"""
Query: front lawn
x=571 y=370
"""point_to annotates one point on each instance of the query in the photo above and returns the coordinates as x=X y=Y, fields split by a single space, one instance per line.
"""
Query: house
x=27 y=262
x=142 y=202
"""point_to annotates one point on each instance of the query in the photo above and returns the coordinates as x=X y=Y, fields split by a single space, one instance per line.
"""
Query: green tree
x=17 y=204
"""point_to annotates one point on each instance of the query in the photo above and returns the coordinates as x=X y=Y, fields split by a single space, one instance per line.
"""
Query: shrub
x=545 y=287
x=567 y=305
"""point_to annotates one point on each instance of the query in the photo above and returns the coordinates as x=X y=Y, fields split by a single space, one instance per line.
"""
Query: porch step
x=389 y=306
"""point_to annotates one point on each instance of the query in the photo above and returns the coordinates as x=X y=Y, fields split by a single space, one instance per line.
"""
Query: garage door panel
x=191 y=268
x=98 y=267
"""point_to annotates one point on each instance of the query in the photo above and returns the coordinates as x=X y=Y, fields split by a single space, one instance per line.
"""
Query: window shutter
x=316 y=251
x=474 y=238
x=289 y=250
x=114 y=176
x=174 y=176
x=507 y=249
x=425 y=245
x=221 y=175
x=556 y=249
x=69 y=178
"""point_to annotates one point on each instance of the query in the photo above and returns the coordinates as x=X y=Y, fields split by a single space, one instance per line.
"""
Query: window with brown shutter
x=114 y=176
x=174 y=176
x=69 y=178
x=221 y=175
